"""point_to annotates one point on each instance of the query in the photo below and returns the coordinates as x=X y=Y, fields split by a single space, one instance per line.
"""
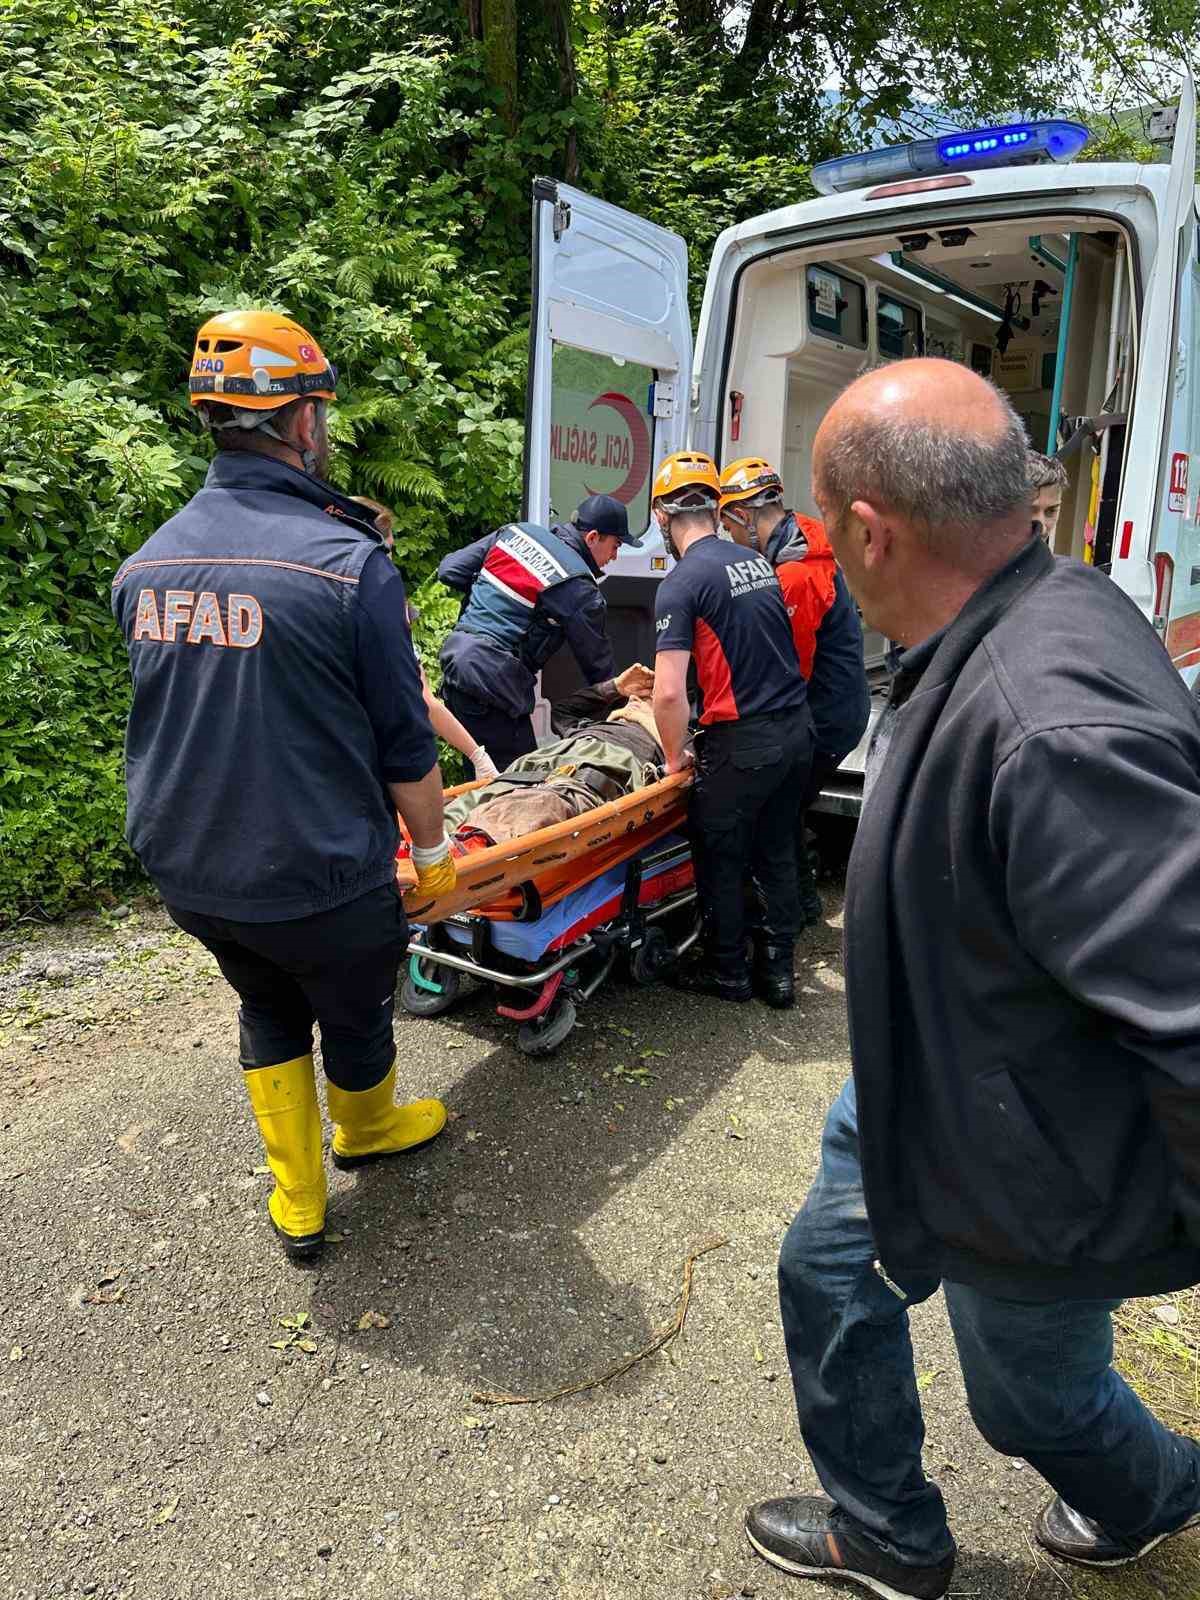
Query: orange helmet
x=257 y=361
x=686 y=481
x=750 y=480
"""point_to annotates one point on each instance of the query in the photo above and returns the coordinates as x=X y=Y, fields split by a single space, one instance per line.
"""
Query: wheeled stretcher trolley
x=563 y=905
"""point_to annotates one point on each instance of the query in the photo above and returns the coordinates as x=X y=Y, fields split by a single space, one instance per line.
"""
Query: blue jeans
x=1038 y=1377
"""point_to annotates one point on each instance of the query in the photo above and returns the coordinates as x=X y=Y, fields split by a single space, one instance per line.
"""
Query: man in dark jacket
x=1022 y=941
x=277 y=725
x=528 y=591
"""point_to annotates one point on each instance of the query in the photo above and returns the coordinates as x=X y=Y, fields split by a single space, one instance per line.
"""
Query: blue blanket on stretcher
x=590 y=906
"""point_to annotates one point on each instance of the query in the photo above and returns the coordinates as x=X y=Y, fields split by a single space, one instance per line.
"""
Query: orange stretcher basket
x=497 y=882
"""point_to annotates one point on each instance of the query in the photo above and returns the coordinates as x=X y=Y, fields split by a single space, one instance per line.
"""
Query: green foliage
x=62 y=797
x=365 y=167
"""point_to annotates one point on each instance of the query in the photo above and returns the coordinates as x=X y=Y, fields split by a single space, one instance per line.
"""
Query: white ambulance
x=1074 y=285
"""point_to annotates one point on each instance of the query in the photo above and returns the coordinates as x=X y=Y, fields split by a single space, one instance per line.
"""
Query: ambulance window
x=601 y=432
x=898 y=328
x=837 y=307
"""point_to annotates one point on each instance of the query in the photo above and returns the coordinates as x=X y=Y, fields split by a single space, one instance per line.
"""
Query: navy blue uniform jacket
x=571 y=613
x=275 y=696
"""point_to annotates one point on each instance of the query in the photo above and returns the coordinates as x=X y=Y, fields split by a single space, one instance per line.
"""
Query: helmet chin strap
x=243 y=421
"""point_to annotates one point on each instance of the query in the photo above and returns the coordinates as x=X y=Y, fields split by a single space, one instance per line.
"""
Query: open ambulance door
x=610 y=372
x=1148 y=514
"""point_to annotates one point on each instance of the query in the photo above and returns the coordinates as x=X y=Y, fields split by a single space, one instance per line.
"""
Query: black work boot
x=808 y=1536
x=1071 y=1536
x=724 y=979
x=773 y=976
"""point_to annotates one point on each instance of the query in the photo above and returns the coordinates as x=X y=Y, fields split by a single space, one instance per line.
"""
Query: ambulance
x=1073 y=285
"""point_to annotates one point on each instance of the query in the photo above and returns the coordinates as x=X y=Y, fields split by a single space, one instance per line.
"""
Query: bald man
x=1022 y=951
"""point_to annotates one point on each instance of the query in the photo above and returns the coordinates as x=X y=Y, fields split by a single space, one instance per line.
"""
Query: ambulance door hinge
x=662 y=399
x=560 y=219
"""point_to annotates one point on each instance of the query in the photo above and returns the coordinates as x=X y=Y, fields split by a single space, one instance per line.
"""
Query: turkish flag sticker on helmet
x=306 y=352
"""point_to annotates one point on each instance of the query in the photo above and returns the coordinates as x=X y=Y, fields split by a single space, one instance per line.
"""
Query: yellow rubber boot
x=368 y=1126
x=284 y=1099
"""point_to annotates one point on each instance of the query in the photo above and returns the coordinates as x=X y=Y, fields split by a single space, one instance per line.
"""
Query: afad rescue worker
x=825 y=630
x=528 y=591
x=277 y=724
x=722 y=610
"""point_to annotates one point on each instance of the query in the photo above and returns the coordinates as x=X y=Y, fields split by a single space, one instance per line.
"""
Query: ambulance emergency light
x=1014 y=144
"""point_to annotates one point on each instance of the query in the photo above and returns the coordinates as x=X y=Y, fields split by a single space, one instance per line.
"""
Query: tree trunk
x=472 y=15
x=500 y=54
x=696 y=16
x=759 y=36
x=559 y=17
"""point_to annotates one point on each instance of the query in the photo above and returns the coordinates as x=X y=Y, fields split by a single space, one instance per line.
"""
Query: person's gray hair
x=952 y=481
x=1046 y=472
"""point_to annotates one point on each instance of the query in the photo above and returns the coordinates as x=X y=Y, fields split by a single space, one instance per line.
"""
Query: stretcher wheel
x=428 y=989
x=651 y=958
x=543 y=1035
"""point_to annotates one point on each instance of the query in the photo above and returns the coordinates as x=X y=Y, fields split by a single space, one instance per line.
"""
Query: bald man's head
x=935 y=444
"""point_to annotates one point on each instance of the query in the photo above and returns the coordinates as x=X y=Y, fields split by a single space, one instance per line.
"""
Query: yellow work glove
x=436 y=872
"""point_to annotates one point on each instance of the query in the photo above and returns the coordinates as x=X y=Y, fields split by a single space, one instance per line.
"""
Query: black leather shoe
x=703 y=979
x=1071 y=1536
x=773 y=977
x=807 y=1536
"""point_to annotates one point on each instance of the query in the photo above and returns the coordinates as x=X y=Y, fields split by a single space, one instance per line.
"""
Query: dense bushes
x=365 y=166
x=149 y=181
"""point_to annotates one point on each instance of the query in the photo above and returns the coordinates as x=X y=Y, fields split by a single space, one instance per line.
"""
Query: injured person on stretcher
x=608 y=746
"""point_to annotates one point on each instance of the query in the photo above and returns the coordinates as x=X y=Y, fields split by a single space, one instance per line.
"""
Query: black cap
x=605 y=514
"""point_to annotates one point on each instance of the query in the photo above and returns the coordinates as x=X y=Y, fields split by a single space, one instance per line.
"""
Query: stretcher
x=544 y=919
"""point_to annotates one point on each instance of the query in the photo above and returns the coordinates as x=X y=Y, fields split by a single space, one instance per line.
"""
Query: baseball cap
x=606 y=515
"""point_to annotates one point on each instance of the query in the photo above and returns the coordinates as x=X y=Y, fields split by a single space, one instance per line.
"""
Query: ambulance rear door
x=1148 y=515
x=610 y=371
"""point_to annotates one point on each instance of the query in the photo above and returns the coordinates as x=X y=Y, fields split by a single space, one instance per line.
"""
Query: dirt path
x=165 y=1434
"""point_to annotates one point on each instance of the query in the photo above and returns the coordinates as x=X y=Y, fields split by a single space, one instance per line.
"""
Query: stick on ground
x=672 y=1330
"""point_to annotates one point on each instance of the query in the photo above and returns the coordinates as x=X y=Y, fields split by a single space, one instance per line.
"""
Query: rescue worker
x=825 y=631
x=276 y=726
x=528 y=591
x=722 y=612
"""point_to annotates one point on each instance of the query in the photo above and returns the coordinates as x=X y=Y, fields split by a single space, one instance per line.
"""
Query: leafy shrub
x=357 y=164
x=62 y=796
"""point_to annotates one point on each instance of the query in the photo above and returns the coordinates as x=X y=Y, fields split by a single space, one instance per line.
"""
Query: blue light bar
x=1014 y=144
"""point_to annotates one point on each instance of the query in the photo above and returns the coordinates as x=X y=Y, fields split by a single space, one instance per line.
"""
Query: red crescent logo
x=307 y=353
x=639 y=439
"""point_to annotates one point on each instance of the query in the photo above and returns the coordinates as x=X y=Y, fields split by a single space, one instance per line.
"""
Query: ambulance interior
x=1016 y=301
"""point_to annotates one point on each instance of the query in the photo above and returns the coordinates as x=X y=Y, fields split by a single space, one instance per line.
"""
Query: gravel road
x=184 y=1413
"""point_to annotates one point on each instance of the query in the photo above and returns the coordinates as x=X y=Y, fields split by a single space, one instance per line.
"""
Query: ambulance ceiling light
x=1013 y=144
x=936 y=285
